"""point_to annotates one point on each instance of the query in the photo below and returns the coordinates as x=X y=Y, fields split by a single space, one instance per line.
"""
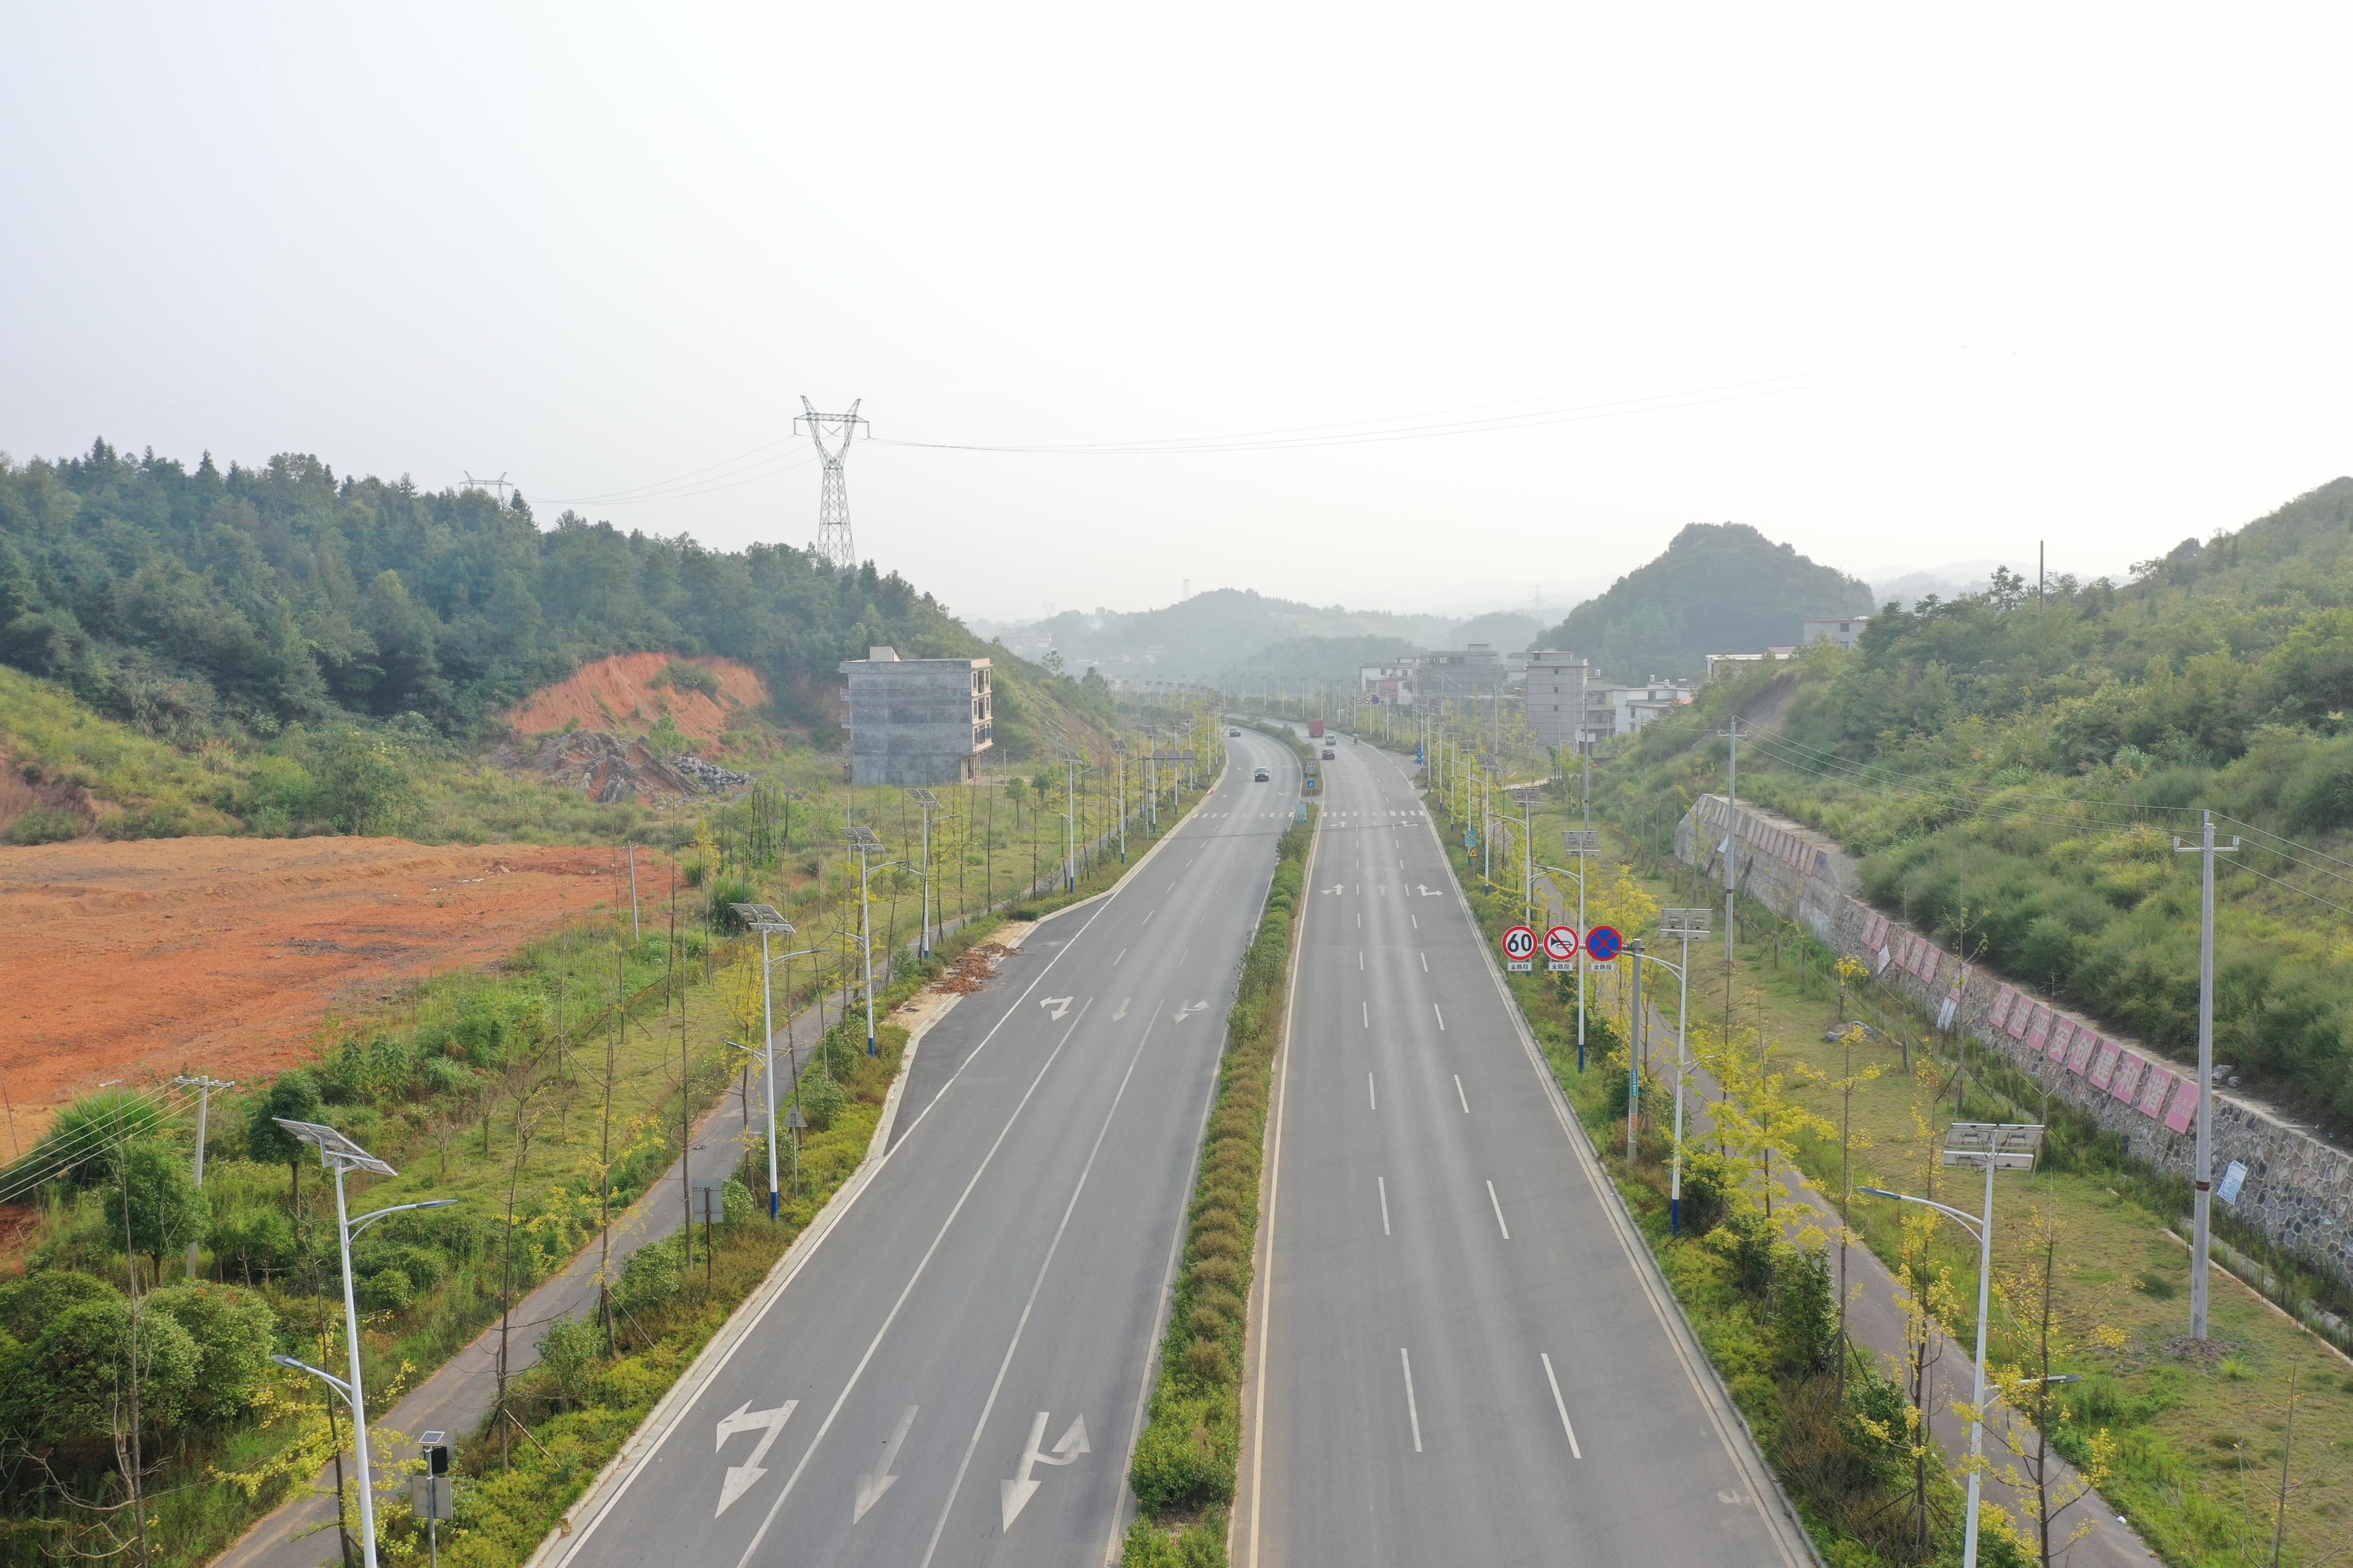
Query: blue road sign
x=1602 y=943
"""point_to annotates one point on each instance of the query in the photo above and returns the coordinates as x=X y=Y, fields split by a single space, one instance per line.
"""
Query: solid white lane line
x=1122 y=954
x=1412 y=1413
x=913 y=1280
x=1148 y=920
x=1425 y=963
x=1441 y=1017
x=1463 y=1098
x=1416 y=920
x=1372 y=1095
x=1360 y=961
x=1043 y=1268
x=1384 y=1182
x=1499 y=1210
x=1560 y=1404
x=1367 y=1007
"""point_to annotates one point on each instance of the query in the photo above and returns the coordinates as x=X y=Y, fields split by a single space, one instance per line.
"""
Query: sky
x=1430 y=308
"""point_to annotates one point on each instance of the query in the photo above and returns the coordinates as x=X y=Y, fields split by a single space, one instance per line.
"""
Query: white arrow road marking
x=1335 y=888
x=1018 y=1491
x=1186 y=1009
x=1060 y=1004
x=872 y=1487
x=1124 y=1001
x=1428 y=892
x=739 y=1478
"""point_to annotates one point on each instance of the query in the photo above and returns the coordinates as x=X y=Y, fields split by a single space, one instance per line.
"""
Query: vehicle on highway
x=1315 y=728
x=1235 y=734
x=1258 y=777
x=1330 y=755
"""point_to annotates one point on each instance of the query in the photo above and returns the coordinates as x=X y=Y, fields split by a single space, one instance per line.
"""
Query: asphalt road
x=955 y=1374
x=1464 y=1356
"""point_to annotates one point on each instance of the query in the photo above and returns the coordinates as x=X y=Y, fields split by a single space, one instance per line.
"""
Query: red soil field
x=133 y=961
x=619 y=693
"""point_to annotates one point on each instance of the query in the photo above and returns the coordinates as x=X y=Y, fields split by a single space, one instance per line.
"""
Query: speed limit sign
x=1560 y=946
x=1519 y=948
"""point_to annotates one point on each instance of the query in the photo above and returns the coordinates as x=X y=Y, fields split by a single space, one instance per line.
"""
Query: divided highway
x=954 y=1373
x=1462 y=1356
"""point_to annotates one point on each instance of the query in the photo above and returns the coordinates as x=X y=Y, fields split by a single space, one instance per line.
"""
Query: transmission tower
x=833 y=494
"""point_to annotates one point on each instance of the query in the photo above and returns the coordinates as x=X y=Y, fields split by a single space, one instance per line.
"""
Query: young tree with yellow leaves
x=2051 y=1329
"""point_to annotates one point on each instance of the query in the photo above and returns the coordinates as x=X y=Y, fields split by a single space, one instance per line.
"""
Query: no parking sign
x=1602 y=943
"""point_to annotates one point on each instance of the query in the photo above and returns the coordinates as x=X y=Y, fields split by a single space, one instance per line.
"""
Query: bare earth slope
x=619 y=693
x=131 y=960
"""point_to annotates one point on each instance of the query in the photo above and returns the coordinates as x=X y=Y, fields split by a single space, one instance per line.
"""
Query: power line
x=1360 y=432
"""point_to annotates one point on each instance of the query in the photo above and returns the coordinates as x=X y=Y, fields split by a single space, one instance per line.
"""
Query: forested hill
x=179 y=598
x=2013 y=771
x=1719 y=588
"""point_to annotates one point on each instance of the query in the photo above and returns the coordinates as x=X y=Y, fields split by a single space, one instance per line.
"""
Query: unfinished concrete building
x=917 y=722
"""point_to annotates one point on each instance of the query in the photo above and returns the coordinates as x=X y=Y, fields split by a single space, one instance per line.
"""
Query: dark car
x=1235 y=733
x=1330 y=755
x=1258 y=777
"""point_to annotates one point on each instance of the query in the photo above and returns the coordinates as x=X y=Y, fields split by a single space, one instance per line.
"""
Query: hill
x=282 y=650
x=1718 y=588
x=1335 y=660
x=2012 y=773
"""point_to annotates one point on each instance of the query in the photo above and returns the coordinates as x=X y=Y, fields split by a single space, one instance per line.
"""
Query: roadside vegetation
x=1184 y=1468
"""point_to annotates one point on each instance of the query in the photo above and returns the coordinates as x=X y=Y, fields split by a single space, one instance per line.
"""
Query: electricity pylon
x=833 y=541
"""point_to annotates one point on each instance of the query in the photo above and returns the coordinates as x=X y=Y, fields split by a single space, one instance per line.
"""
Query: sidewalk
x=1875 y=1320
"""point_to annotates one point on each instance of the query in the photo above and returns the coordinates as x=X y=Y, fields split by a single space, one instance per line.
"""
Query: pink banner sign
x=2022 y=1018
x=2184 y=1107
x=2061 y=1036
x=2103 y=1066
x=2079 y=1055
x=2038 y=1033
x=2153 y=1092
x=2126 y=1085
x=1999 y=1014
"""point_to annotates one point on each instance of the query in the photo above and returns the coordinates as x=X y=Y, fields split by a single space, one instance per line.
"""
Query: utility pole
x=1731 y=839
x=2201 y=1170
x=203 y=1087
x=833 y=541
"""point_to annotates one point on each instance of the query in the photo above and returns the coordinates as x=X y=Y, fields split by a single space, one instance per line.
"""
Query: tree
x=295 y=1097
x=74 y=1381
x=156 y=1201
x=234 y=1332
x=2053 y=1329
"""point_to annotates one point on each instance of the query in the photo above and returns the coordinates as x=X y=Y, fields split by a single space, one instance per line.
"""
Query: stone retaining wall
x=2299 y=1186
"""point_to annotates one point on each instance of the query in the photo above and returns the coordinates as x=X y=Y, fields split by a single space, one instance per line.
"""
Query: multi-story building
x=1843 y=630
x=1459 y=674
x=915 y=722
x=1555 y=697
x=1392 y=684
x=1730 y=663
x=1614 y=710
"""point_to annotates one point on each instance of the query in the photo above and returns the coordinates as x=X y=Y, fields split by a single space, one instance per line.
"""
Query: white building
x=1612 y=710
x=1842 y=631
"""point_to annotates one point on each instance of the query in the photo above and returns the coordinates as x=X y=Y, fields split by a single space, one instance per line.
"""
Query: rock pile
x=710 y=776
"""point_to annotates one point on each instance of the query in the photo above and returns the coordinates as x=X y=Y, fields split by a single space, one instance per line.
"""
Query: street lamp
x=765 y=920
x=930 y=804
x=1687 y=925
x=1581 y=843
x=1997 y=1146
x=339 y=1154
x=863 y=840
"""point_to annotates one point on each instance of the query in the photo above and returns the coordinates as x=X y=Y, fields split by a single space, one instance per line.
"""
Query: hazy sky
x=1898 y=285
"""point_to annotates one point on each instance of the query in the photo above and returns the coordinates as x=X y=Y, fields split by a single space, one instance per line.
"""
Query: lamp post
x=1997 y=1146
x=1581 y=843
x=929 y=802
x=767 y=921
x=339 y=1154
x=203 y=1087
x=1686 y=924
x=864 y=841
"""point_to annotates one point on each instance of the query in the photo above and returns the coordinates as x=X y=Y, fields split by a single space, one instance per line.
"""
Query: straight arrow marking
x=743 y=1418
x=872 y=1487
x=1124 y=1001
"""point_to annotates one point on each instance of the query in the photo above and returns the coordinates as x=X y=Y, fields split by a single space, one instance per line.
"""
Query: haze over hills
x=1718 y=588
x=1222 y=629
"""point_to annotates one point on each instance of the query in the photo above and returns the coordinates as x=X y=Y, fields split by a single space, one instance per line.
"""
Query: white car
x=1258 y=777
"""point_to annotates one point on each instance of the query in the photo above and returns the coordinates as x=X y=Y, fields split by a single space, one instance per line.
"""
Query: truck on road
x=1315 y=728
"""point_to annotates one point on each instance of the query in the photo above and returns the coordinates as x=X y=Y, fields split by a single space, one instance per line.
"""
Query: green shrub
x=89 y=1134
x=251 y=1238
x=72 y=1377
x=822 y=1099
x=166 y=1209
x=1183 y=1459
x=30 y=1304
x=570 y=1352
x=45 y=824
x=650 y=1278
x=387 y=1291
x=234 y=1332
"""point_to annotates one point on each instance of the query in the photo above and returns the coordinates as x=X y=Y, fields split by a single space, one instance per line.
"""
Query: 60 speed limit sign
x=1519 y=948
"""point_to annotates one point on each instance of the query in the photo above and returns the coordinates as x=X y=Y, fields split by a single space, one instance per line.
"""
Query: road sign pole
x=1634 y=1055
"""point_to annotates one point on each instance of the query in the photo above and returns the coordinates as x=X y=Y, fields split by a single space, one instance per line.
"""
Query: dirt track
x=131 y=961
